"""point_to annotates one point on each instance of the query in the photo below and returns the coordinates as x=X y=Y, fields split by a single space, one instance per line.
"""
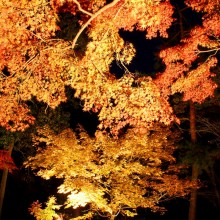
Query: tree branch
x=81 y=9
x=92 y=18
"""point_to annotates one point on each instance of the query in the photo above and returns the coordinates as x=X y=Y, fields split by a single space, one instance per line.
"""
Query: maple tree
x=34 y=62
x=192 y=73
x=43 y=66
x=108 y=174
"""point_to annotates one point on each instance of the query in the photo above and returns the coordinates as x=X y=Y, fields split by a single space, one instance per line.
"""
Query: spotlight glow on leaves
x=111 y=176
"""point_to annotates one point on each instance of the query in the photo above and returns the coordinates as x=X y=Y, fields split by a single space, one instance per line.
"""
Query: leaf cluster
x=112 y=176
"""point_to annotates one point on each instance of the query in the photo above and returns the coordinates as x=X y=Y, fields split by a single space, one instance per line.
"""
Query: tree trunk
x=192 y=118
x=3 y=182
x=195 y=168
x=193 y=196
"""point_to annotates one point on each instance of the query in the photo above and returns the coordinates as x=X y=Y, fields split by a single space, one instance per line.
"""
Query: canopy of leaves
x=111 y=176
x=34 y=62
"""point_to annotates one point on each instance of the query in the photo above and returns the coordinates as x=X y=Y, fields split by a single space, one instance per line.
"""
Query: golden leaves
x=94 y=169
x=26 y=26
x=48 y=213
x=14 y=116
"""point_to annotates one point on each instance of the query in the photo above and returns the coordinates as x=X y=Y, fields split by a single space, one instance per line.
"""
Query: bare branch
x=210 y=50
x=210 y=127
x=81 y=9
x=92 y=18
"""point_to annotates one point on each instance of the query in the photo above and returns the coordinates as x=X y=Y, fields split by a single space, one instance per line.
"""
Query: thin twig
x=81 y=9
x=207 y=51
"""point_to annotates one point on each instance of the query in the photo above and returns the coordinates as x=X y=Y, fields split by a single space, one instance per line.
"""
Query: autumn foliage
x=111 y=176
x=35 y=63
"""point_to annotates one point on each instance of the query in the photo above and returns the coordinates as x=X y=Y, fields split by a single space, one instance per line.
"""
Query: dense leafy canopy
x=112 y=176
x=35 y=63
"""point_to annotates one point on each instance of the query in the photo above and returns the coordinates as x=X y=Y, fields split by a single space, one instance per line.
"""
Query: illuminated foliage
x=186 y=72
x=32 y=63
x=125 y=101
x=111 y=176
x=48 y=213
x=36 y=63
